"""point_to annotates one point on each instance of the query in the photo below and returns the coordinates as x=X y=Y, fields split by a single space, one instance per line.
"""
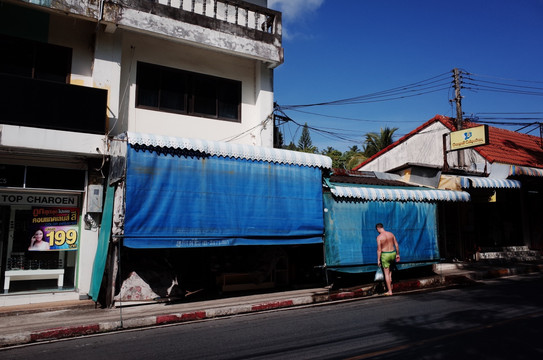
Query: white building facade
x=76 y=73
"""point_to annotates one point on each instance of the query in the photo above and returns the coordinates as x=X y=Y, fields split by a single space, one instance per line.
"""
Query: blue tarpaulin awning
x=350 y=239
x=220 y=195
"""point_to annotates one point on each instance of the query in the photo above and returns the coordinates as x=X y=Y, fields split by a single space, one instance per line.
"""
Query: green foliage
x=277 y=138
x=304 y=143
x=353 y=157
x=354 y=161
x=374 y=142
x=335 y=155
x=346 y=160
x=292 y=147
x=349 y=159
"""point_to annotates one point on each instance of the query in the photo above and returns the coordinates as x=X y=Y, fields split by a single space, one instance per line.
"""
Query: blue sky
x=338 y=49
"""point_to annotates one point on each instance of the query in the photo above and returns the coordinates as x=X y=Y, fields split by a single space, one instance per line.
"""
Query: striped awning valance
x=489 y=183
x=398 y=194
x=239 y=151
x=524 y=170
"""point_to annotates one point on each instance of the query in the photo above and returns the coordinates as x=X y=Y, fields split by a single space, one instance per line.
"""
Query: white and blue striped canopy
x=525 y=170
x=483 y=182
x=232 y=150
x=398 y=194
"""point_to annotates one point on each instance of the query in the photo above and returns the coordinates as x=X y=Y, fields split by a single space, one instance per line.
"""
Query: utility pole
x=458 y=100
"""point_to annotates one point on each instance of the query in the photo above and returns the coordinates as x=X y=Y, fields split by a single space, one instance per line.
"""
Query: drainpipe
x=101 y=11
x=445 y=164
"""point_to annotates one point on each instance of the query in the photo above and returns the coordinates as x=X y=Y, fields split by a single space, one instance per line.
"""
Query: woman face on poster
x=37 y=243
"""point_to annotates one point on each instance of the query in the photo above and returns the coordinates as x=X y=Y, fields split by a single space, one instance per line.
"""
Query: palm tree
x=376 y=142
x=353 y=157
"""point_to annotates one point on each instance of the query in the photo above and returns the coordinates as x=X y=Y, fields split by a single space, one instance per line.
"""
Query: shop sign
x=54 y=228
x=468 y=138
x=38 y=199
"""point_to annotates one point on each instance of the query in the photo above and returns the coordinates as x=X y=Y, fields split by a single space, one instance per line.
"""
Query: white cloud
x=294 y=8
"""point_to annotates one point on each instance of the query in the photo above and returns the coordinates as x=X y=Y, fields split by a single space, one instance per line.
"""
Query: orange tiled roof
x=505 y=146
x=510 y=147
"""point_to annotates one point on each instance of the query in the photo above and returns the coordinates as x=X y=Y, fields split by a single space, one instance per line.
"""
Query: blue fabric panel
x=178 y=201
x=350 y=238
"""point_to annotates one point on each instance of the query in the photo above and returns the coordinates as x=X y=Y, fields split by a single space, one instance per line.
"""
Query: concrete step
x=517 y=253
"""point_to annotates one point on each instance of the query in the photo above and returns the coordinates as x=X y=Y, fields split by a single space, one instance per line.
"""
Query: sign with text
x=54 y=228
x=468 y=138
x=38 y=199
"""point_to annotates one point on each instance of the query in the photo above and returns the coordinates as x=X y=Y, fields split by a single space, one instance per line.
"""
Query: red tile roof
x=513 y=148
x=505 y=146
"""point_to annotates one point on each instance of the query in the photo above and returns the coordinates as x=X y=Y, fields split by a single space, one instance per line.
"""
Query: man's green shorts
x=387 y=258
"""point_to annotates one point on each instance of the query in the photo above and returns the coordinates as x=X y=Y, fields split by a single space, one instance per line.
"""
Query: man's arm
x=397 y=249
x=378 y=252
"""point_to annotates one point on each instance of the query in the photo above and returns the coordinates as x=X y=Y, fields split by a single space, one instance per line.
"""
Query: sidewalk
x=39 y=322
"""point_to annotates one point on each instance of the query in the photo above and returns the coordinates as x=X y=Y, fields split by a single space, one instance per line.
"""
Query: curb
x=148 y=321
x=464 y=279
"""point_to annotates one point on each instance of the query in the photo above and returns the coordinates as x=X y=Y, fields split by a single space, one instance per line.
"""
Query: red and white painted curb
x=147 y=321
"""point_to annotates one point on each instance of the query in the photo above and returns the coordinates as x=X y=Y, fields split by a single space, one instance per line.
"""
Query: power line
x=501 y=78
x=342 y=117
x=494 y=86
x=509 y=118
x=423 y=87
x=510 y=113
x=441 y=82
x=511 y=85
x=479 y=87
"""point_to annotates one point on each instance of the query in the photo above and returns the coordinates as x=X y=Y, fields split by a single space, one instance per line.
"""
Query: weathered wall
x=257 y=93
x=425 y=147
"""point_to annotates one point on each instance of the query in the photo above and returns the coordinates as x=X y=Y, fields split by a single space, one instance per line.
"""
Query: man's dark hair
x=379 y=226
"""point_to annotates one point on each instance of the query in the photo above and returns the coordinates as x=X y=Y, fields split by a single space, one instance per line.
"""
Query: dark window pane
x=229 y=100
x=12 y=175
x=172 y=91
x=16 y=57
x=51 y=178
x=36 y=60
x=205 y=96
x=148 y=80
x=53 y=63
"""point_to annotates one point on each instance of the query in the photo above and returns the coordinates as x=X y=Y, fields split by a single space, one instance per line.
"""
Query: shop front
x=39 y=229
x=210 y=216
x=352 y=211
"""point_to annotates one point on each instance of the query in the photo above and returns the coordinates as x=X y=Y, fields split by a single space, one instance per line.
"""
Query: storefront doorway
x=39 y=235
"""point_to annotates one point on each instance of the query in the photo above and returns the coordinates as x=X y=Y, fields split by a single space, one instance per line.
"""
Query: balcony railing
x=51 y=105
x=235 y=12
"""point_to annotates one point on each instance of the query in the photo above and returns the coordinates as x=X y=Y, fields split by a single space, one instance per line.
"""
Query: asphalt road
x=501 y=319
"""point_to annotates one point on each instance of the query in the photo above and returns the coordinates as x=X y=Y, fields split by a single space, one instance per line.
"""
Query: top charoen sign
x=471 y=137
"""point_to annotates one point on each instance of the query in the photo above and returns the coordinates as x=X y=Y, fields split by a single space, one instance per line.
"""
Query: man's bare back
x=386 y=241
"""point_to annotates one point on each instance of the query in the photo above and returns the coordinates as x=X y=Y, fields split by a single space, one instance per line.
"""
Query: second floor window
x=171 y=90
x=36 y=60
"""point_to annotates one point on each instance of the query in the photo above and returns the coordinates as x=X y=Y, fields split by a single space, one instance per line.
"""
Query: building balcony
x=233 y=26
x=43 y=104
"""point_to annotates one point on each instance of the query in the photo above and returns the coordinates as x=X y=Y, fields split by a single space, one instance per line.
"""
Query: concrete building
x=77 y=73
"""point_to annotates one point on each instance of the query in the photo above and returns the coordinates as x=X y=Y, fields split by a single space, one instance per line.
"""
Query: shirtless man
x=388 y=251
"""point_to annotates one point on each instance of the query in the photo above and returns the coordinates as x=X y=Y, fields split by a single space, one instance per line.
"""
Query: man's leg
x=388 y=280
